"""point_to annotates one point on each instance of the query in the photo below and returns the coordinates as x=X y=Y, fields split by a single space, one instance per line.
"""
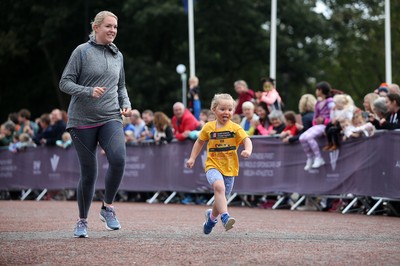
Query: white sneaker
x=318 y=162
x=309 y=164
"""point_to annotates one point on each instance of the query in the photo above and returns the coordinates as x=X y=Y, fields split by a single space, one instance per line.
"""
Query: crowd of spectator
x=328 y=112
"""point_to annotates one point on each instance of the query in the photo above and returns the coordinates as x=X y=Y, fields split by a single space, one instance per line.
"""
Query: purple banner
x=364 y=166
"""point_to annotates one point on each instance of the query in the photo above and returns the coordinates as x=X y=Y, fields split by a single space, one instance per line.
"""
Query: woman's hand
x=127 y=112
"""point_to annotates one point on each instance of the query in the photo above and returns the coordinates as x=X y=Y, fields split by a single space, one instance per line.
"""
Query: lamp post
x=181 y=69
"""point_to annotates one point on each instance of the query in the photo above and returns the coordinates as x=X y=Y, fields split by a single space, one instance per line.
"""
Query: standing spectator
x=183 y=122
x=306 y=109
x=394 y=88
x=25 y=124
x=194 y=103
x=222 y=163
x=383 y=89
x=269 y=94
x=7 y=131
x=95 y=78
x=55 y=130
x=162 y=123
x=321 y=119
x=244 y=95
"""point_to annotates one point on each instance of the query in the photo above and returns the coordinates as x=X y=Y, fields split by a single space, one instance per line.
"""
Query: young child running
x=222 y=164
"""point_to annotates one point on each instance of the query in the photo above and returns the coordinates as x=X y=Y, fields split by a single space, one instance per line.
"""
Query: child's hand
x=190 y=163
x=245 y=154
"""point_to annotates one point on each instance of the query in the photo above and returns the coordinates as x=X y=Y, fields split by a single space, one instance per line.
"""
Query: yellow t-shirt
x=222 y=146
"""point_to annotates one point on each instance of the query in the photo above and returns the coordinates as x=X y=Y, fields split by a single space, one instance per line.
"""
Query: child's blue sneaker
x=227 y=221
x=208 y=224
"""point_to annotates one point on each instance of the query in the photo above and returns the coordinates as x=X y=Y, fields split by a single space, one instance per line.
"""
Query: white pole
x=272 y=56
x=388 y=49
x=191 y=39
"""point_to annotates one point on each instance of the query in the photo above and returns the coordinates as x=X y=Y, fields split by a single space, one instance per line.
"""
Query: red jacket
x=187 y=122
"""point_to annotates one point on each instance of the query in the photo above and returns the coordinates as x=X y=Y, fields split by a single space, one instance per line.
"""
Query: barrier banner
x=363 y=166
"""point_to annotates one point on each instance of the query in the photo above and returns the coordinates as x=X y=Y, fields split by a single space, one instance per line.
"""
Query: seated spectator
x=291 y=128
x=357 y=127
x=147 y=134
x=21 y=142
x=269 y=95
x=278 y=123
x=25 y=124
x=244 y=95
x=138 y=127
x=7 y=131
x=164 y=132
x=321 y=118
x=263 y=123
x=183 y=122
x=380 y=110
x=392 y=120
x=306 y=109
x=248 y=117
x=343 y=110
x=65 y=142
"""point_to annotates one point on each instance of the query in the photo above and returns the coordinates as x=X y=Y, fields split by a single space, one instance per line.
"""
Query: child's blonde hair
x=343 y=99
x=221 y=97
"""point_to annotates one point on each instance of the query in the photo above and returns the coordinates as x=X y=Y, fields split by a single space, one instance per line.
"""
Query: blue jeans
x=111 y=139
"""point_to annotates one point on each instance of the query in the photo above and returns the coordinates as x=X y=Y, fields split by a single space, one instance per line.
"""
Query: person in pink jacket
x=269 y=95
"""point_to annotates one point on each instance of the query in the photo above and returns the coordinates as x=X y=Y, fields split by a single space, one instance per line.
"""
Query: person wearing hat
x=383 y=89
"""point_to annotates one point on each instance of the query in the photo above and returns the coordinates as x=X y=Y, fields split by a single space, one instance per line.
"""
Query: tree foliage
x=345 y=48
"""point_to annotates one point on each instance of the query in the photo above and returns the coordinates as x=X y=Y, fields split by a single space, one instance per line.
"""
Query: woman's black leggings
x=111 y=139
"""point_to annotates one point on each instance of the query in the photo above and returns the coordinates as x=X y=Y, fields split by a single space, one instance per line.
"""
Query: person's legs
x=85 y=143
x=112 y=141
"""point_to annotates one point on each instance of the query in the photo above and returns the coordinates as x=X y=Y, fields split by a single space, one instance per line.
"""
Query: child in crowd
x=269 y=95
x=65 y=141
x=343 y=110
x=21 y=142
x=291 y=128
x=222 y=163
x=194 y=103
x=357 y=127
x=321 y=118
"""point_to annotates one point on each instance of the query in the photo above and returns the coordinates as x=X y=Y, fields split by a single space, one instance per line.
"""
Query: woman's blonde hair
x=307 y=103
x=99 y=18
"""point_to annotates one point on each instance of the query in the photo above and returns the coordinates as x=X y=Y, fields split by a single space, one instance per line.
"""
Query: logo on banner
x=334 y=155
x=54 y=162
x=36 y=167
